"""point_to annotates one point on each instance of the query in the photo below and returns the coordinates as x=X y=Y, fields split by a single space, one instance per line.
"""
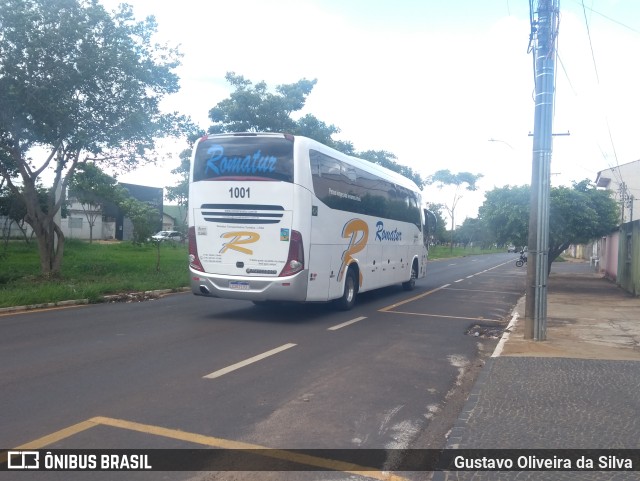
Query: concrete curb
x=124 y=297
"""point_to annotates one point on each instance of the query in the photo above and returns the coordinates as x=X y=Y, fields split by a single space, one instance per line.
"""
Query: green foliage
x=446 y=252
x=310 y=126
x=90 y=271
x=388 y=160
x=505 y=212
x=14 y=209
x=577 y=215
x=83 y=85
x=446 y=177
x=440 y=234
x=143 y=217
x=474 y=232
x=91 y=187
x=252 y=108
x=179 y=193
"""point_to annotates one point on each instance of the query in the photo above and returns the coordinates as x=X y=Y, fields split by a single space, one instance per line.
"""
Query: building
x=624 y=181
x=617 y=255
x=174 y=217
x=109 y=222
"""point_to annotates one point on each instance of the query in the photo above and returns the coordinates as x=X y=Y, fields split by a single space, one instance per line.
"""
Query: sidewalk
x=579 y=389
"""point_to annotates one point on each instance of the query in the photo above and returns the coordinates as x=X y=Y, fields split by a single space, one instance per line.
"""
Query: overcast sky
x=428 y=80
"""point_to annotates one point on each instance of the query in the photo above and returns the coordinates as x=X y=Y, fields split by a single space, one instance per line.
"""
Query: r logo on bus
x=358 y=232
x=239 y=238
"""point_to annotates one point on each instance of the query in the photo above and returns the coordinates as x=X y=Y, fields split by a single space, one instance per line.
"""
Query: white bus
x=273 y=217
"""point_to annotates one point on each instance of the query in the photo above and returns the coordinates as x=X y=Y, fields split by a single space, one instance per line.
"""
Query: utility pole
x=544 y=36
x=623 y=198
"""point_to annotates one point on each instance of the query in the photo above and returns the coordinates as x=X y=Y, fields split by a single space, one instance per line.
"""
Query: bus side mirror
x=430 y=223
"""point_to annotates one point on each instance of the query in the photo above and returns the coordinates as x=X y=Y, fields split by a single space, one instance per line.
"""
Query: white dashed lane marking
x=345 y=324
x=246 y=362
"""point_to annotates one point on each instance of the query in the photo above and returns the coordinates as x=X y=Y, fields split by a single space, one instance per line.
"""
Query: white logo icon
x=23 y=460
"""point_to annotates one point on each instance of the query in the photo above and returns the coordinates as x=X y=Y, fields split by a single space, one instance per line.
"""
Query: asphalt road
x=192 y=372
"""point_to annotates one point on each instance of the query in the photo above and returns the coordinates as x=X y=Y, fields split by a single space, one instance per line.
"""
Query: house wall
x=168 y=222
x=76 y=225
x=602 y=254
x=9 y=229
x=623 y=180
x=608 y=253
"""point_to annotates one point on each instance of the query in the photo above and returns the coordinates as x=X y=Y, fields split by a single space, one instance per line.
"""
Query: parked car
x=168 y=235
x=511 y=248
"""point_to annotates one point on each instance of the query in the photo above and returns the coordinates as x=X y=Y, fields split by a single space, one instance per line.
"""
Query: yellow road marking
x=411 y=299
x=54 y=437
x=214 y=442
x=323 y=463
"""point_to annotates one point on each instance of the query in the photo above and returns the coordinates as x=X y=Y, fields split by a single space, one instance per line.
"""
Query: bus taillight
x=194 y=261
x=295 y=259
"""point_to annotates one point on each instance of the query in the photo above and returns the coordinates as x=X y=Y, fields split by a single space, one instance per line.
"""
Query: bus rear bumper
x=293 y=288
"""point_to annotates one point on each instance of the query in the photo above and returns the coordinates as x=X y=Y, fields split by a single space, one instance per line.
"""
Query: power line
x=593 y=57
x=612 y=20
x=595 y=68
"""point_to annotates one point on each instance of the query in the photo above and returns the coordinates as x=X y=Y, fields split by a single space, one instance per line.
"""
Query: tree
x=14 y=211
x=576 y=215
x=179 y=193
x=82 y=85
x=505 y=211
x=440 y=231
x=388 y=160
x=316 y=129
x=91 y=187
x=446 y=177
x=474 y=232
x=252 y=108
x=143 y=216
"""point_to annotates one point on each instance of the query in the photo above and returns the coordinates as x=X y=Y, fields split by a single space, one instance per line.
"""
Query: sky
x=440 y=84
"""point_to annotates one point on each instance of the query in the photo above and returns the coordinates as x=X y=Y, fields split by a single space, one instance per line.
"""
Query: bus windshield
x=244 y=157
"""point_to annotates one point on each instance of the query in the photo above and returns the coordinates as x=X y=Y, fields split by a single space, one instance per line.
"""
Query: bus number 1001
x=239 y=192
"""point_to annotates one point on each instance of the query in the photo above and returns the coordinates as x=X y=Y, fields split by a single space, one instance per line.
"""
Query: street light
x=501 y=141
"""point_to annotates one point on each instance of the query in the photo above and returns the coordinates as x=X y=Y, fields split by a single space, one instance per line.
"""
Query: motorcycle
x=523 y=259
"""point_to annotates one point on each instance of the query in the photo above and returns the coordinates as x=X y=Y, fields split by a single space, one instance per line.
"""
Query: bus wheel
x=348 y=299
x=411 y=283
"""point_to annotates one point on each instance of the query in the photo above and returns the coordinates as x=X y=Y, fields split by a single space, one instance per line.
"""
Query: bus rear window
x=244 y=157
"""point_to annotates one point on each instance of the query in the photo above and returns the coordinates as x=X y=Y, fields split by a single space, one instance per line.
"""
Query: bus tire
x=348 y=299
x=411 y=283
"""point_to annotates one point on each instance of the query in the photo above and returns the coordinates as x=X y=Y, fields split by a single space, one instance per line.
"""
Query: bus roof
x=363 y=164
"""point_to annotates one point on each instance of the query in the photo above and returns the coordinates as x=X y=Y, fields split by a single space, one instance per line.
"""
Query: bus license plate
x=239 y=285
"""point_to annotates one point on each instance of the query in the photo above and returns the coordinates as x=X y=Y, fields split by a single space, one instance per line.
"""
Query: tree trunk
x=554 y=252
x=50 y=254
x=45 y=230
